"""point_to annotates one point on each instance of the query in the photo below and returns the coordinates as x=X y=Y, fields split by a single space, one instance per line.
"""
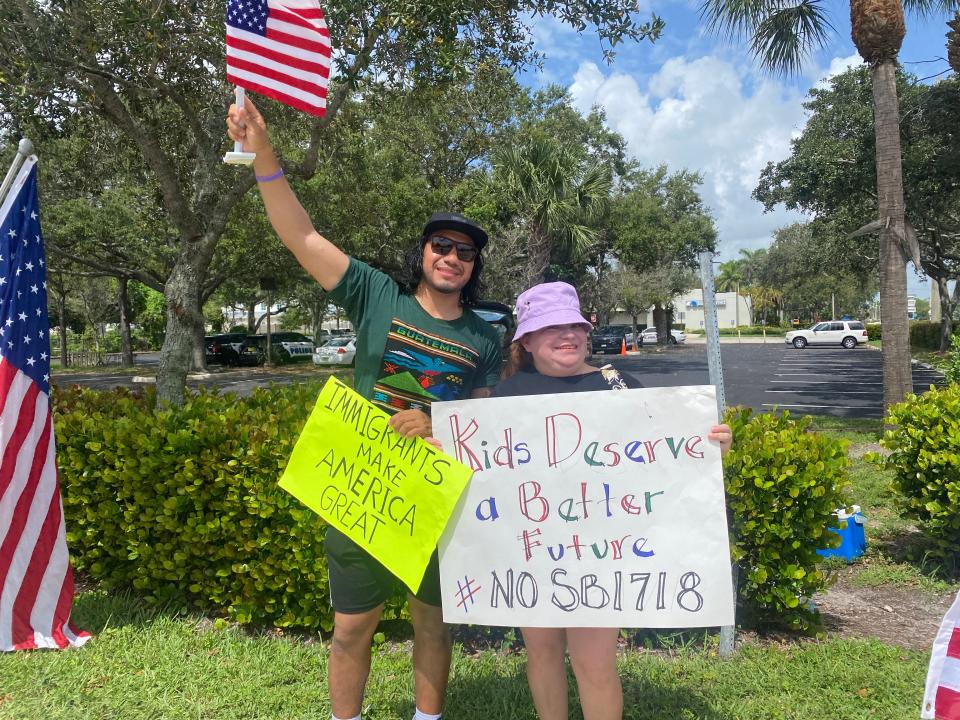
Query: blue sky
x=698 y=101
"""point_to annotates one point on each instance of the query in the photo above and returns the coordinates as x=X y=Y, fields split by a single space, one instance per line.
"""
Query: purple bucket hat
x=548 y=304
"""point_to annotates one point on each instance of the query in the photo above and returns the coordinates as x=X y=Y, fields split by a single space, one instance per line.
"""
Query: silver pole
x=712 y=328
x=24 y=150
x=727 y=632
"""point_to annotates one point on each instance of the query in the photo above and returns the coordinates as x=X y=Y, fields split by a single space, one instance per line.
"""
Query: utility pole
x=727 y=632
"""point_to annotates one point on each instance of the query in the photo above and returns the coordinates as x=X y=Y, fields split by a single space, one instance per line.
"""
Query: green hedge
x=183 y=504
x=925 y=335
x=783 y=484
x=924 y=455
x=770 y=330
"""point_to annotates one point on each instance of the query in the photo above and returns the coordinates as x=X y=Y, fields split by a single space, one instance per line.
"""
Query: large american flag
x=36 y=582
x=941 y=700
x=281 y=50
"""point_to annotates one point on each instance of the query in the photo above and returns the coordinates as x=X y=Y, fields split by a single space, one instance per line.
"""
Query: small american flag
x=36 y=582
x=941 y=700
x=281 y=50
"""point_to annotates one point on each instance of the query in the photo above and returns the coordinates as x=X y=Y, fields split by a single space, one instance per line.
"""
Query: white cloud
x=710 y=115
x=837 y=66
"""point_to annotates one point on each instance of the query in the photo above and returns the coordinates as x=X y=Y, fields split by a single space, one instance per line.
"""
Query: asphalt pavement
x=764 y=376
x=812 y=381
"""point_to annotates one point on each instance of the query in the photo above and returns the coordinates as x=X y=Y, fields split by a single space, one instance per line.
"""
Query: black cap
x=453 y=221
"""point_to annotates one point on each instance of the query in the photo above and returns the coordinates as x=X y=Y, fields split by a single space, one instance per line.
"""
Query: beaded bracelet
x=267 y=178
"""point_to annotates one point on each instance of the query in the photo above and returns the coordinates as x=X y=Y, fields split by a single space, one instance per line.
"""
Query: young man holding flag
x=414 y=345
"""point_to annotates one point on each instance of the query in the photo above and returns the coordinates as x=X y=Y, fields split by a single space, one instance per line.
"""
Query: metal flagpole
x=24 y=150
x=727 y=632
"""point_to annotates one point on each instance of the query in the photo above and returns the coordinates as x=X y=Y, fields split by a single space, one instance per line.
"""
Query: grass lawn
x=149 y=663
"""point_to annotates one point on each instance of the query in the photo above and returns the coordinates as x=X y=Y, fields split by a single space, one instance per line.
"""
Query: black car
x=227 y=349
x=612 y=338
x=284 y=346
x=498 y=315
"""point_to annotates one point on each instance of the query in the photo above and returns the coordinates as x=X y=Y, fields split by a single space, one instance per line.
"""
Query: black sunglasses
x=442 y=245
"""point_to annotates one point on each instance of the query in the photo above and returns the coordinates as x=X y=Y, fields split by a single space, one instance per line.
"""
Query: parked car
x=611 y=338
x=649 y=335
x=845 y=333
x=285 y=346
x=336 y=351
x=227 y=349
x=498 y=315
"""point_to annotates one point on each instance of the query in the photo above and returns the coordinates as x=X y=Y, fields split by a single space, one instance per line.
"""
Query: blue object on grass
x=853 y=541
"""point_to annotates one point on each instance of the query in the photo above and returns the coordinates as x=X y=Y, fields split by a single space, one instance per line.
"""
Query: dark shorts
x=359 y=583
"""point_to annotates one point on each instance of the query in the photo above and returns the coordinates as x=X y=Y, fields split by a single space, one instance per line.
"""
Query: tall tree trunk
x=199 y=350
x=953 y=43
x=946 y=313
x=184 y=323
x=251 y=317
x=538 y=255
x=659 y=321
x=123 y=301
x=897 y=374
x=318 y=312
x=62 y=328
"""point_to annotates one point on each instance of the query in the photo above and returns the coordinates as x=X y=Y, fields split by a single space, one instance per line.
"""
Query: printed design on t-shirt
x=420 y=367
x=614 y=379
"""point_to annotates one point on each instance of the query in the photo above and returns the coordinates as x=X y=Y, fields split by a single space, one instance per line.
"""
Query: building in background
x=732 y=311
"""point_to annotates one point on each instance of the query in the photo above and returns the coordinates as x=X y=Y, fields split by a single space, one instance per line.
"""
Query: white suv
x=846 y=333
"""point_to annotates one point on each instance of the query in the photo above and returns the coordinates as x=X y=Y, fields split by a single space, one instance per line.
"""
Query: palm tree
x=953 y=43
x=782 y=34
x=730 y=276
x=561 y=197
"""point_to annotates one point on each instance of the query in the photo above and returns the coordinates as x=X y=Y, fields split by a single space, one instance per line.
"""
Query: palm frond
x=928 y=8
x=735 y=19
x=784 y=39
x=781 y=34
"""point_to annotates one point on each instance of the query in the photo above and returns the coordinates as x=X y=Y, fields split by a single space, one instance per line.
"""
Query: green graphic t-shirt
x=406 y=358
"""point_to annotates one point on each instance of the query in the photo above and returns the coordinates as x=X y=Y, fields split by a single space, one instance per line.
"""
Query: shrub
x=183 y=505
x=874 y=331
x=775 y=330
x=783 y=484
x=924 y=455
x=925 y=335
x=951 y=366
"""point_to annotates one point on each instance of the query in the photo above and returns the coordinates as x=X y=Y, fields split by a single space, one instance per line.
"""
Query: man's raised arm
x=319 y=257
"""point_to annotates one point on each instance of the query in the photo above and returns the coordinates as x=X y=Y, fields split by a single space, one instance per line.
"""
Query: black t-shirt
x=530 y=382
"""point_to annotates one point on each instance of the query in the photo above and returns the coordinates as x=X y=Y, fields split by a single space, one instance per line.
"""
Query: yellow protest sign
x=391 y=495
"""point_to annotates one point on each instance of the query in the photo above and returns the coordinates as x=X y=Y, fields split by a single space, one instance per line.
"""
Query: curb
x=150 y=379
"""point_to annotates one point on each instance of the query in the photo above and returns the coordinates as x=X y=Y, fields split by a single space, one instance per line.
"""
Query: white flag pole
x=24 y=150
x=238 y=156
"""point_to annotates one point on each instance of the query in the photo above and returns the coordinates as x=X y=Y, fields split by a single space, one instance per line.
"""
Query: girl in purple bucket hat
x=549 y=355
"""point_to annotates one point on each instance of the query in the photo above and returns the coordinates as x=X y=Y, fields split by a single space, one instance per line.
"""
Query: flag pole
x=24 y=150
x=238 y=156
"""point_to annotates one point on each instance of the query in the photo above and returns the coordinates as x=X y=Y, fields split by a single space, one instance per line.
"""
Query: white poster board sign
x=597 y=509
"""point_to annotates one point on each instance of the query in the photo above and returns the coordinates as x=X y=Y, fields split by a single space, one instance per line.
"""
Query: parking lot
x=813 y=381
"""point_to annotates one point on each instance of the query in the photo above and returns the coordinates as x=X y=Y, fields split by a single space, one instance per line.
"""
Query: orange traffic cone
x=623 y=346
